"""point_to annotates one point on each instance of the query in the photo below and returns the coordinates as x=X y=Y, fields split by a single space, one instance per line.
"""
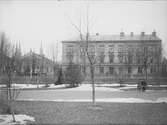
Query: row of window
x=121 y=48
x=123 y=58
x=111 y=70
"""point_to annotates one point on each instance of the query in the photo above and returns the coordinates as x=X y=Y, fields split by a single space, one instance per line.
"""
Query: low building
x=34 y=64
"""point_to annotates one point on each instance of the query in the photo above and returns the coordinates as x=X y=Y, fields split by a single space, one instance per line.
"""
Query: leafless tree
x=54 y=55
x=4 y=51
x=11 y=65
x=148 y=59
x=85 y=48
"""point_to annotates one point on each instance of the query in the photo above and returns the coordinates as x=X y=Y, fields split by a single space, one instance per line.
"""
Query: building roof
x=145 y=37
x=37 y=56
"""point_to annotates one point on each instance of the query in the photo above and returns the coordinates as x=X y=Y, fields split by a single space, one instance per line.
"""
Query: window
x=129 y=58
x=91 y=51
x=129 y=70
x=152 y=69
x=70 y=57
x=120 y=57
x=70 y=53
x=102 y=46
x=101 y=56
x=139 y=57
x=120 y=70
x=111 y=70
x=101 y=70
x=111 y=48
x=83 y=69
x=111 y=57
x=140 y=69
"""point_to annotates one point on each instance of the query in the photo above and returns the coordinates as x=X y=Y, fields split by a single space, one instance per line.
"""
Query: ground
x=115 y=105
x=85 y=113
x=103 y=94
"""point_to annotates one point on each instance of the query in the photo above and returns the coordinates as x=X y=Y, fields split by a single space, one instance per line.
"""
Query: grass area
x=86 y=113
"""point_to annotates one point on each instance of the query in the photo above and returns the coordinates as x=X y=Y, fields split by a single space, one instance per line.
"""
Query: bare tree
x=4 y=51
x=148 y=59
x=85 y=45
x=10 y=71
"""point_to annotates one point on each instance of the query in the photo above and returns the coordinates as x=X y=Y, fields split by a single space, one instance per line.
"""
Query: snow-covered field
x=21 y=119
x=100 y=87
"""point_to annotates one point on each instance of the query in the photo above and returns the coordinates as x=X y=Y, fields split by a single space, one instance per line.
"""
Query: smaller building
x=36 y=64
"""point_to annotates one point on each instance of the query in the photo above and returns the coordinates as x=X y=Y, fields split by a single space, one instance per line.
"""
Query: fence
x=30 y=79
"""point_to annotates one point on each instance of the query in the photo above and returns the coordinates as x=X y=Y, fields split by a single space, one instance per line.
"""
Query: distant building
x=36 y=64
x=116 y=54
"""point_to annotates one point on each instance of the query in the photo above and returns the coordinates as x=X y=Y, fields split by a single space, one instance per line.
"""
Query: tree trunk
x=11 y=101
x=146 y=74
x=12 y=111
x=93 y=84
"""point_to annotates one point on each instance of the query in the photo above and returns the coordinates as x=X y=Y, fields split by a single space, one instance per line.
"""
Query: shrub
x=60 y=79
x=73 y=76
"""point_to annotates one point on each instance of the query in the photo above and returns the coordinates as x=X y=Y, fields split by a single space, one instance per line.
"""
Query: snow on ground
x=84 y=87
x=56 y=86
x=134 y=85
x=88 y=87
x=127 y=87
x=109 y=85
x=163 y=99
x=21 y=86
x=163 y=85
x=2 y=85
x=20 y=119
x=115 y=100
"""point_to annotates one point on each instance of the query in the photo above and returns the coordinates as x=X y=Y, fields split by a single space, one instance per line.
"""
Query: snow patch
x=87 y=87
x=128 y=87
x=2 y=85
x=115 y=100
x=163 y=85
x=27 y=86
x=131 y=85
x=161 y=100
x=56 y=86
x=20 y=119
x=109 y=85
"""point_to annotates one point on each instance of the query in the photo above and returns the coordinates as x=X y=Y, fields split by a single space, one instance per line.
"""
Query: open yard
x=114 y=106
x=85 y=113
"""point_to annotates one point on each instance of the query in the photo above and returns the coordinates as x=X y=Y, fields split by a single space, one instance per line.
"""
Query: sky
x=33 y=23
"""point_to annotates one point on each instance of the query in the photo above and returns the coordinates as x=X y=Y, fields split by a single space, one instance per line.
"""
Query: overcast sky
x=49 y=22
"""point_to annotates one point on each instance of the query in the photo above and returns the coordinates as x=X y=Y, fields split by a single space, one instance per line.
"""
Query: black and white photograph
x=83 y=62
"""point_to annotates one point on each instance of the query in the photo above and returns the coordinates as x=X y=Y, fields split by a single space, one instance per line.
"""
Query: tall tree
x=10 y=71
x=4 y=51
x=85 y=43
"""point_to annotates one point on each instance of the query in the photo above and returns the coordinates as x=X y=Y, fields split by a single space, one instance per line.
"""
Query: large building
x=116 y=55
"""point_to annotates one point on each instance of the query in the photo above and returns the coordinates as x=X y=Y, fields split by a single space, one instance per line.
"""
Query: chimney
x=154 y=33
x=142 y=33
x=131 y=34
x=122 y=34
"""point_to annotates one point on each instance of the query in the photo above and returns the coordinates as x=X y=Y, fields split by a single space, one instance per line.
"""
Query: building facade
x=36 y=64
x=116 y=55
